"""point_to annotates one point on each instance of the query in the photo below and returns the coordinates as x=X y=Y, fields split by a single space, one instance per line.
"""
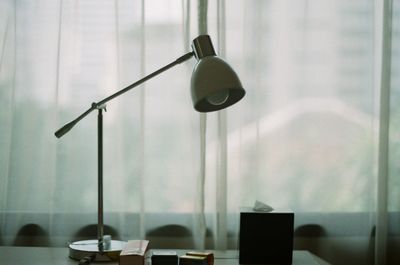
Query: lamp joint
x=99 y=106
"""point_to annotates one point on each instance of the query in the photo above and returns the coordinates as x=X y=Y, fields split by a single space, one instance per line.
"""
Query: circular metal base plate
x=80 y=249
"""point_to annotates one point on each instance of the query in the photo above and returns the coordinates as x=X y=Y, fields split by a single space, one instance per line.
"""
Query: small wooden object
x=134 y=252
x=192 y=260
x=208 y=255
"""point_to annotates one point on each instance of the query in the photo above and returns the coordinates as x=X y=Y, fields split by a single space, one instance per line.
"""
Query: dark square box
x=164 y=257
x=266 y=237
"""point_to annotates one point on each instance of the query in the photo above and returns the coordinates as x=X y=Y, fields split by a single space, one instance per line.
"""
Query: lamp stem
x=100 y=223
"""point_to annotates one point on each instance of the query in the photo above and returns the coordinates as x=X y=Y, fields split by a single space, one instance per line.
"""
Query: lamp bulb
x=218 y=98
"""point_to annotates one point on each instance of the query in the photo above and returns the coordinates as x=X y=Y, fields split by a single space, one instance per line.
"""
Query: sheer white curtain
x=57 y=58
x=310 y=135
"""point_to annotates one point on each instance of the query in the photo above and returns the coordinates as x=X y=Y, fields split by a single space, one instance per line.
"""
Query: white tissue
x=262 y=207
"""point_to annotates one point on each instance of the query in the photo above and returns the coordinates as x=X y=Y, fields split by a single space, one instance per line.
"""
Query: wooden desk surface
x=59 y=256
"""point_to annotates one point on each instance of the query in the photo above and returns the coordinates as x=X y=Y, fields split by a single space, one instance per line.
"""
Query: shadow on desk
x=308 y=231
x=32 y=235
x=173 y=236
x=160 y=237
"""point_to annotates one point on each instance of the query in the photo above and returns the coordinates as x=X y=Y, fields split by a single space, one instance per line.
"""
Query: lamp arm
x=63 y=130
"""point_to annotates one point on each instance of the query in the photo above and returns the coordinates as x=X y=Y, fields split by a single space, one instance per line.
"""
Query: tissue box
x=266 y=237
x=133 y=252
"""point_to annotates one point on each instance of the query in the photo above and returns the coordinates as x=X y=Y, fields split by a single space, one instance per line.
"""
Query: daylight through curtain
x=317 y=132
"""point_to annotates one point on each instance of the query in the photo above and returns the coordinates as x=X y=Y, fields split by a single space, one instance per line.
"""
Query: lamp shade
x=214 y=84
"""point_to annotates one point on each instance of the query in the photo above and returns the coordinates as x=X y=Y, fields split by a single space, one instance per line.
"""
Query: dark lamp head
x=214 y=84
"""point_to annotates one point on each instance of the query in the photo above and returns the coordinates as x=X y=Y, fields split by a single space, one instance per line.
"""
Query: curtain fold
x=316 y=133
x=383 y=155
x=200 y=220
x=221 y=232
x=7 y=79
x=142 y=139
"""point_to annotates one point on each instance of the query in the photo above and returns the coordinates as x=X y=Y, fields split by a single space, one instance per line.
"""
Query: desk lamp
x=214 y=86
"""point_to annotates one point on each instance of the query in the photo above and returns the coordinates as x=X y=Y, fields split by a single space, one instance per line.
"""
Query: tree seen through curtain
x=305 y=137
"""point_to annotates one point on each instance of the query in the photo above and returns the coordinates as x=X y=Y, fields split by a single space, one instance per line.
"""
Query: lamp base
x=80 y=249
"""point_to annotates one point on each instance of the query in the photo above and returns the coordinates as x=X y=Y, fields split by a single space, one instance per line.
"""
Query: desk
x=59 y=256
